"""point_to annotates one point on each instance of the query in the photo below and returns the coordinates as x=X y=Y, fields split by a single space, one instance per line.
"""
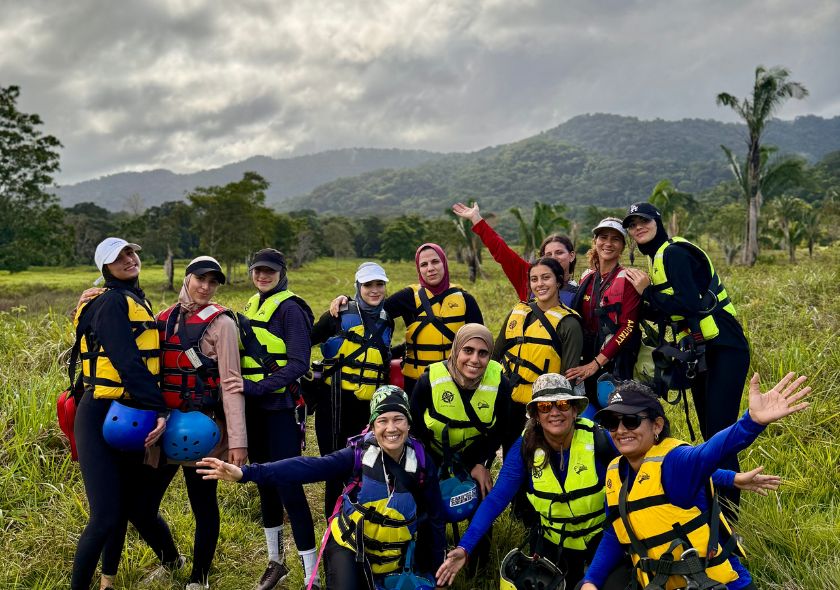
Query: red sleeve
x=515 y=267
x=628 y=321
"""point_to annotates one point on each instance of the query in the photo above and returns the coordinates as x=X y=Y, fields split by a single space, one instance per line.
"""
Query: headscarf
x=464 y=335
x=187 y=302
x=443 y=285
x=650 y=248
x=389 y=398
x=370 y=312
x=276 y=260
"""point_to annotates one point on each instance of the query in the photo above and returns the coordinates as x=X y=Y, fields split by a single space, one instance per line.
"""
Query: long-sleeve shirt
x=628 y=317
x=483 y=449
x=514 y=266
x=293 y=324
x=342 y=464
x=110 y=326
x=685 y=471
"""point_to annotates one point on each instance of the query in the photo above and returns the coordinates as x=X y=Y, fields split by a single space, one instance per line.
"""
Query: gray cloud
x=193 y=84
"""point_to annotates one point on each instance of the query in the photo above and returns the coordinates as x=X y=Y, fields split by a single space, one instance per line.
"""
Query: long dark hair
x=556 y=269
x=567 y=243
x=532 y=439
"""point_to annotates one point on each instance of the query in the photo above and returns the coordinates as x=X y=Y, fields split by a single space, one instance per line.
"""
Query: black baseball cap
x=203 y=265
x=270 y=258
x=632 y=400
x=645 y=210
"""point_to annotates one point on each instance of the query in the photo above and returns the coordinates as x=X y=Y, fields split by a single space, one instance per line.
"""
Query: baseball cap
x=109 y=249
x=610 y=223
x=269 y=257
x=642 y=209
x=632 y=400
x=370 y=271
x=204 y=264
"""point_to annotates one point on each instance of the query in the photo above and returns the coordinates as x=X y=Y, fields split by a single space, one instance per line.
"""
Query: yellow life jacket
x=273 y=347
x=715 y=295
x=374 y=519
x=657 y=523
x=573 y=512
x=429 y=339
x=447 y=418
x=531 y=350
x=97 y=370
x=363 y=356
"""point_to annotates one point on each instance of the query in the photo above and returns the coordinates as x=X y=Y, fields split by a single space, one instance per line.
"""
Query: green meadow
x=791 y=314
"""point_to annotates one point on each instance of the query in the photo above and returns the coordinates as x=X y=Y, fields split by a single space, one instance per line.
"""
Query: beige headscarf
x=465 y=334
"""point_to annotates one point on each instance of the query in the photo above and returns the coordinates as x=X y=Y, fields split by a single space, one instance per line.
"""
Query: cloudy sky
x=191 y=84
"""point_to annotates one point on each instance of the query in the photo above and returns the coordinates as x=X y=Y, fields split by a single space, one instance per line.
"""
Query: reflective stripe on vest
x=447 y=408
x=656 y=522
x=259 y=316
x=387 y=520
x=573 y=512
x=424 y=343
x=530 y=351
x=660 y=283
x=98 y=371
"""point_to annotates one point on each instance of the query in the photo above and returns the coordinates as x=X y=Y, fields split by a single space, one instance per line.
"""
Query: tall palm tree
x=772 y=88
x=545 y=219
x=671 y=204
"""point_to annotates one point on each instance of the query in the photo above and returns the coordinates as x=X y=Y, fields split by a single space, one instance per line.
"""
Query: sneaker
x=273 y=575
x=163 y=572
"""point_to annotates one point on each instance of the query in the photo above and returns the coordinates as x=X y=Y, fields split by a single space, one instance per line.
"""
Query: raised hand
x=780 y=401
x=472 y=213
x=755 y=481
x=212 y=468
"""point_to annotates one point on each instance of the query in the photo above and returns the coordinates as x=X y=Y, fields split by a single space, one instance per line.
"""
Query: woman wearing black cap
x=684 y=290
x=394 y=491
x=276 y=354
x=659 y=490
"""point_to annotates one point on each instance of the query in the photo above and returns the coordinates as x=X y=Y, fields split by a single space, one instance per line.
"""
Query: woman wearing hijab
x=462 y=407
x=516 y=268
x=276 y=354
x=121 y=361
x=200 y=346
x=684 y=290
x=395 y=490
x=433 y=310
x=356 y=350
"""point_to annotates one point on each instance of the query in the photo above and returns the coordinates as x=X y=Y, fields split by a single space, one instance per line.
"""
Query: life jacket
x=660 y=528
x=375 y=522
x=268 y=354
x=98 y=372
x=454 y=424
x=428 y=339
x=190 y=378
x=359 y=354
x=571 y=513
x=715 y=298
x=532 y=347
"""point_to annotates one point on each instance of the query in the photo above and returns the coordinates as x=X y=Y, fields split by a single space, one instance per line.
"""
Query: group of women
x=530 y=392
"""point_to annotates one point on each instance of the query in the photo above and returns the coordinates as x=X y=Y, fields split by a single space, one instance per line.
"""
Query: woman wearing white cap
x=356 y=350
x=609 y=306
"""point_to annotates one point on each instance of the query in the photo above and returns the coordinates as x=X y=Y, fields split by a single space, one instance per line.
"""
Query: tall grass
x=790 y=314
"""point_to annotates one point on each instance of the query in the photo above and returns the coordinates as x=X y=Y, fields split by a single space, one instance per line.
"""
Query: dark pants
x=274 y=435
x=334 y=424
x=341 y=570
x=117 y=486
x=717 y=401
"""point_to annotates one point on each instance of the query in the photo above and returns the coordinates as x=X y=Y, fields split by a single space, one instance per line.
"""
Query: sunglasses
x=561 y=404
x=630 y=421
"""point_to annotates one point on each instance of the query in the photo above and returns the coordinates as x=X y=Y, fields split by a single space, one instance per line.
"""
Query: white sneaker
x=162 y=572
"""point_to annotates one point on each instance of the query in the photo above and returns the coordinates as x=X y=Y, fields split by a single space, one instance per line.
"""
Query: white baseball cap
x=610 y=223
x=108 y=250
x=370 y=271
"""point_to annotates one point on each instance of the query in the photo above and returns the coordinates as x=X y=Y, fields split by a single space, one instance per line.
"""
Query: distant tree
x=230 y=219
x=672 y=204
x=772 y=88
x=304 y=249
x=469 y=247
x=89 y=224
x=726 y=227
x=29 y=216
x=401 y=237
x=169 y=227
x=544 y=220
x=368 y=240
x=339 y=238
x=787 y=214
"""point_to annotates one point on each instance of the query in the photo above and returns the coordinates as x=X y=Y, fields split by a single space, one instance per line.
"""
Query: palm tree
x=670 y=203
x=545 y=219
x=772 y=88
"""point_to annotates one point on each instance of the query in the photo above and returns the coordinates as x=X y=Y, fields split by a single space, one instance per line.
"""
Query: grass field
x=791 y=314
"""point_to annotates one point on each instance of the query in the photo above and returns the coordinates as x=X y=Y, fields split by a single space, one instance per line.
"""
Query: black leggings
x=118 y=488
x=274 y=435
x=341 y=569
x=717 y=401
x=352 y=416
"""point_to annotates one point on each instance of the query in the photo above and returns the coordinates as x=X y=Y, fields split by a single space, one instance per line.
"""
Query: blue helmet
x=605 y=386
x=460 y=498
x=189 y=436
x=126 y=428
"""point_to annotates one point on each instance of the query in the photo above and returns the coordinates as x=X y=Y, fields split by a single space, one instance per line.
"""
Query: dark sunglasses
x=630 y=421
x=561 y=404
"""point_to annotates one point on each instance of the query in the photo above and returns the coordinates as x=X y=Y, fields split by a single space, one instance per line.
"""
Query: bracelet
x=600 y=366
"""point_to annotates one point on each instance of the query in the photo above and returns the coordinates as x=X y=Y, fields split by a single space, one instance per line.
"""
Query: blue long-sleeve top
x=685 y=471
x=341 y=464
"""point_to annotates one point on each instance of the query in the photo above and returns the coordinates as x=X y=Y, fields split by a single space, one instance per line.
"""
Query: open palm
x=780 y=401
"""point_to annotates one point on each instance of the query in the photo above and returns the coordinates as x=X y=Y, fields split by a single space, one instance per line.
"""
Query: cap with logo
x=629 y=400
x=642 y=209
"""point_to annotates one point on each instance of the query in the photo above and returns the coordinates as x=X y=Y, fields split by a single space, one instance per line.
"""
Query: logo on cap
x=634 y=208
x=615 y=398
